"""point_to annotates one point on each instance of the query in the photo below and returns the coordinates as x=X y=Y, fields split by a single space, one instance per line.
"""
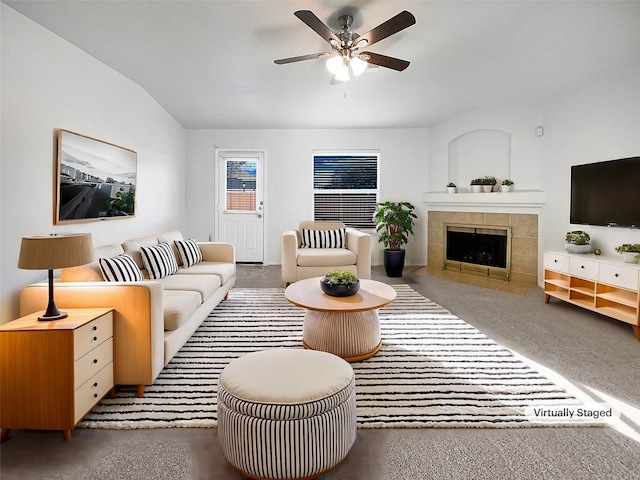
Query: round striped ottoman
x=286 y=413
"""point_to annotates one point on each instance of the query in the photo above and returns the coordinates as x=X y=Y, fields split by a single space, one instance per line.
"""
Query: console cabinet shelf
x=606 y=286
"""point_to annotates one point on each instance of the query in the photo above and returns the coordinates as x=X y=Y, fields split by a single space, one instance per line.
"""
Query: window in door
x=345 y=187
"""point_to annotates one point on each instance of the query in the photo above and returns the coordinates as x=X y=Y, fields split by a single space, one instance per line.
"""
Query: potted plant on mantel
x=394 y=222
x=451 y=187
x=630 y=252
x=476 y=185
x=507 y=185
x=577 y=241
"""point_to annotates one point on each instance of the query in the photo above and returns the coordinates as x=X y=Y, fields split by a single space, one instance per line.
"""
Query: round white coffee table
x=345 y=326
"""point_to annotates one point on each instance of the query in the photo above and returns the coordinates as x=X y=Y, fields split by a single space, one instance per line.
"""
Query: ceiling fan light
x=343 y=74
x=335 y=64
x=358 y=66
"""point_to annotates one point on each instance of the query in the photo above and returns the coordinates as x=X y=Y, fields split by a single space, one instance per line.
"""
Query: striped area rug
x=433 y=370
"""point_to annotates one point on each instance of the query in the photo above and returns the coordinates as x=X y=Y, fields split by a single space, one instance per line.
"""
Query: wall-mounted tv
x=606 y=193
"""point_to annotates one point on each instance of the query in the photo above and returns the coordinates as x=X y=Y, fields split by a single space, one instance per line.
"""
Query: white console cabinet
x=604 y=285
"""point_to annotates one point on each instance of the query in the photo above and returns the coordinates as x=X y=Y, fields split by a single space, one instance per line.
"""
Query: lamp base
x=49 y=318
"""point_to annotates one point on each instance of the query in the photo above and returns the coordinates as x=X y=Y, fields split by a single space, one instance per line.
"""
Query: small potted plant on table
x=577 y=241
x=340 y=283
x=630 y=252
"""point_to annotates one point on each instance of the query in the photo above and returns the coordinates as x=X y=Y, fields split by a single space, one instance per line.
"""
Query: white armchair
x=300 y=261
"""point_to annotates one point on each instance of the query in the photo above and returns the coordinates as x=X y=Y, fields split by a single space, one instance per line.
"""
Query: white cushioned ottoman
x=286 y=413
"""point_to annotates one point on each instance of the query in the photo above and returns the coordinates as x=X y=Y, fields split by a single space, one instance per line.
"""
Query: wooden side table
x=345 y=326
x=52 y=373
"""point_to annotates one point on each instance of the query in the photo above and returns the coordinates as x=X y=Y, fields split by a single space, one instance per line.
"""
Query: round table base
x=354 y=336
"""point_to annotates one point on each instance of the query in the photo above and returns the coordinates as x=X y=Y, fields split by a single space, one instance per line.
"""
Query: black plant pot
x=394 y=262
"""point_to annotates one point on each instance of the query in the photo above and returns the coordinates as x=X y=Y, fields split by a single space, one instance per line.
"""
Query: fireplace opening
x=479 y=249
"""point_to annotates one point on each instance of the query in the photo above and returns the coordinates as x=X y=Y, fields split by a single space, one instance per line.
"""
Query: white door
x=240 y=203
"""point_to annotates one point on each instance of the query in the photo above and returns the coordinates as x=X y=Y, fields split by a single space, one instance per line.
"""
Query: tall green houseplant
x=394 y=223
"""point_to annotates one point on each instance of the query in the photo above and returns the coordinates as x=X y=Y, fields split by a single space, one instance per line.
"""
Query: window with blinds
x=345 y=188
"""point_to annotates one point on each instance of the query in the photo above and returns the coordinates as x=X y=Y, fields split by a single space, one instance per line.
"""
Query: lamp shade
x=49 y=252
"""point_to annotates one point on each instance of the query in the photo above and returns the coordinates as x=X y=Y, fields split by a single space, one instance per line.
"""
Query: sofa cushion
x=170 y=238
x=323 y=238
x=159 y=260
x=223 y=270
x=205 y=285
x=314 y=257
x=133 y=247
x=189 y=252
x=179 y=305
x=91 y=272
x=121 y=268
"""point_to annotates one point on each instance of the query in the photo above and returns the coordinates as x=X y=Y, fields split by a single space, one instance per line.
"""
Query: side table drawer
x=619 y=276
x=94 y=361
x=557 y=262
x=89 y=336
x=92 y=391
x=584 y=268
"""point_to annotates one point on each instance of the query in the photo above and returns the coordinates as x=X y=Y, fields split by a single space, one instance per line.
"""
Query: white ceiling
x=210 y=63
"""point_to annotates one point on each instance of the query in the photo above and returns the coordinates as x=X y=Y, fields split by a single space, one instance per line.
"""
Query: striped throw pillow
x=189 y=251
x=324 y=238
x=121 y=268
x=159 y=260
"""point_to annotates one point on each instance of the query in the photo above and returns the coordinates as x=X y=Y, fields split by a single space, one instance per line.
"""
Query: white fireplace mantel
x=519 y=201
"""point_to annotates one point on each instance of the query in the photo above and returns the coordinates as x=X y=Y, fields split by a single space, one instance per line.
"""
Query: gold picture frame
x=95 y=180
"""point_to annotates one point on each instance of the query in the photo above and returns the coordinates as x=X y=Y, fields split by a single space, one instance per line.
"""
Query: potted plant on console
x=630 y=252
x=394 y=222
x=577 y=241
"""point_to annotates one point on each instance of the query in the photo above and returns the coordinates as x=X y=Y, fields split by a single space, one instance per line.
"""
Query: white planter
x=487 y=188
x=573 y=248
x=506 y=188
x=475 y=188
x=630 y=257
x=451 y=189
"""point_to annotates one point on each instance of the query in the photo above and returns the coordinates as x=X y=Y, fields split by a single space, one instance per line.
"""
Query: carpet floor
x=433 y=370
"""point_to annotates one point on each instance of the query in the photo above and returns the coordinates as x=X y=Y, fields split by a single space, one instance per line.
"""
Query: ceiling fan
x=346 y=57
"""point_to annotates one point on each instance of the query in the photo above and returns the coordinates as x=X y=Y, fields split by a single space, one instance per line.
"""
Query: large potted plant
x=394 y=223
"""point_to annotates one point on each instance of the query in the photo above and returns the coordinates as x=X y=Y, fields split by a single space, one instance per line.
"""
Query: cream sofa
x=153 y=318
x=299 y=262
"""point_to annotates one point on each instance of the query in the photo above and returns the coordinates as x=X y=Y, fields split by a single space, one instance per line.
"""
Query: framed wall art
x=95 y=180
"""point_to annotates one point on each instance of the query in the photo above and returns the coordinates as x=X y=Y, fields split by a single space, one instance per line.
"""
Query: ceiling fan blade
x=395 y=24
x=384 y=61
x=317 y=25
x=311 y=56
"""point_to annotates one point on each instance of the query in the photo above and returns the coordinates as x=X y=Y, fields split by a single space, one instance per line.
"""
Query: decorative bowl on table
x=340 y=283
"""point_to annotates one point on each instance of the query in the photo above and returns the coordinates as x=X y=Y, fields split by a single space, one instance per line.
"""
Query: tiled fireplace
x=523 y=245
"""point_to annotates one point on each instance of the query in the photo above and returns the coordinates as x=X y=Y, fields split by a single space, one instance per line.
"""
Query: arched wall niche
x=478 y=153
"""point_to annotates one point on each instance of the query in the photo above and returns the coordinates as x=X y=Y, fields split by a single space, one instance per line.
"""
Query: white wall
x=47 y=84
x=289 y=176
x=596 y=124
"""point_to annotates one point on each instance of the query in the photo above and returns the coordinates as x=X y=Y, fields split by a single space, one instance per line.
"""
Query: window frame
x=366 y=224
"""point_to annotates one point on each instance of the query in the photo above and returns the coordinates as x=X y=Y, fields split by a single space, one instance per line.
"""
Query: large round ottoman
x=286 y=413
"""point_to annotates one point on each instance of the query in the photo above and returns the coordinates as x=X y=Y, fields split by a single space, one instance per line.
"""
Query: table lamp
x=48 y=252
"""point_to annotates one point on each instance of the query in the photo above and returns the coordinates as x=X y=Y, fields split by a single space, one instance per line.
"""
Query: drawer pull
x=616 y=275
x=581 y=266
x=95 y=339
x=95 y=328
x=95 y=395
x=95 y=360
x=555 y=260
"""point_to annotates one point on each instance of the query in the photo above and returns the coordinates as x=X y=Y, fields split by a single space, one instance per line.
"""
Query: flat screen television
x=606 y=193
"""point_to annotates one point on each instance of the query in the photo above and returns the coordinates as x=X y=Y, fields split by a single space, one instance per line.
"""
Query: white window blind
x=345 y=188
